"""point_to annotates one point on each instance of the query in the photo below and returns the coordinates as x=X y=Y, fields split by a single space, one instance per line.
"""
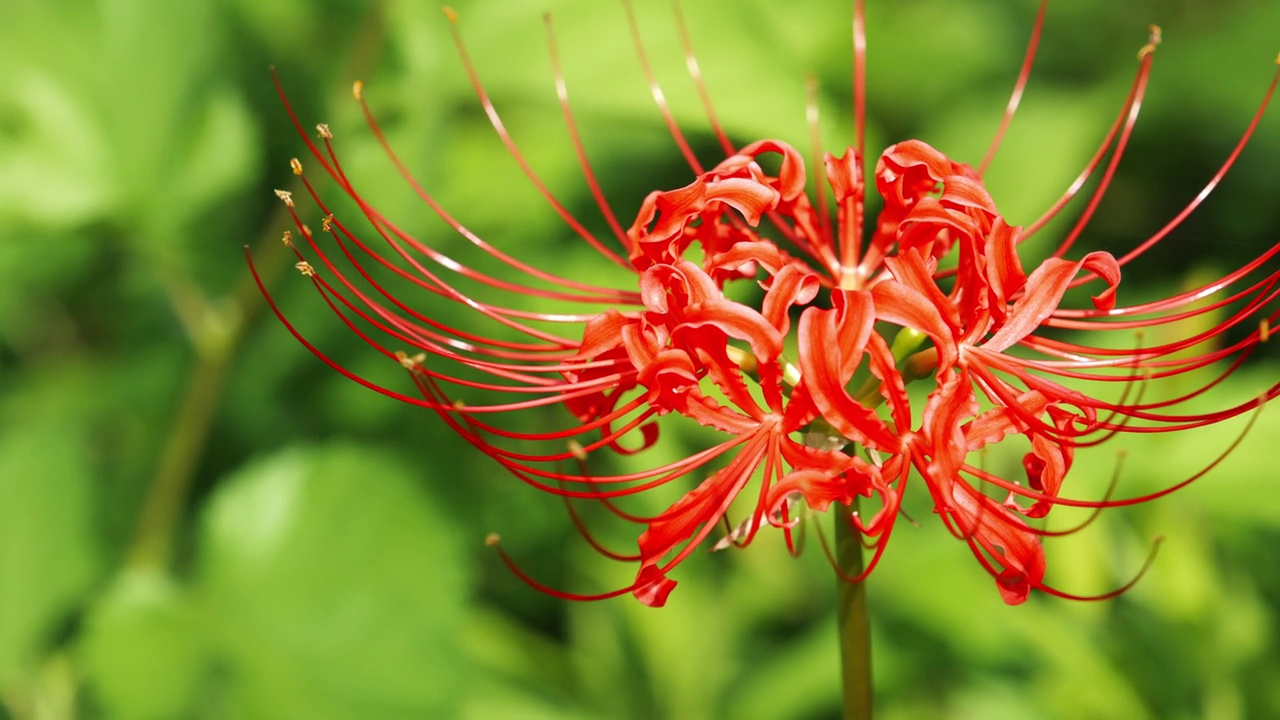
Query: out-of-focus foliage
x=198 y=519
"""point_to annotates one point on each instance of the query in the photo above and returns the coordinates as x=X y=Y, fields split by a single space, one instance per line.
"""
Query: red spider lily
x=797 y=402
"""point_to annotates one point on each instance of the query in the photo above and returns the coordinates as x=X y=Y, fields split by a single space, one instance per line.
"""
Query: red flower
x=798 y=404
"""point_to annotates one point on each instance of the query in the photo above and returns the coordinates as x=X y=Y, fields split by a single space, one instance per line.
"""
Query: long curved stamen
x=1213 y=182
x=1019 y=86
x=500 y=129
x=1034 y=495
x=495 y=541
x=695 y=74
x=1125 y=120
x=860 y=78
x=1146 y=565
x=655 y=90
x=1097 y=511
x=813 y=121
x=1145 y=55
x=562 y=93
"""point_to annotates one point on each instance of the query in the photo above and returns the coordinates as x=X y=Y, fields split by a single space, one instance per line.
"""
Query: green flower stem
x=215 y=337
x=852 y=620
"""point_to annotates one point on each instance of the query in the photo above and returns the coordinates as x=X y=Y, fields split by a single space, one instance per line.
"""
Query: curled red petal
x=832 y=344
x=909 y=171
x=738 y=321
x=603 y=332
x=1017 y=561
x=1004 y=273
x=969 y=196
x=790 y=287
x=652 y=587
x=997 y=423
x=1044 y=290
x=844 y=175
x=902 y=305
x=791 y=177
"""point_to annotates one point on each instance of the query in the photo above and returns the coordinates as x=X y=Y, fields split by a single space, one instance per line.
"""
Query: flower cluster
x=792 y=333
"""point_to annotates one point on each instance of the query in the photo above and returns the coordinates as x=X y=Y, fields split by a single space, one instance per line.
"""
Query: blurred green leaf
x=49 y=552
x=143 y=649
x=334 y=588
x=53 y=156
x=118 y=113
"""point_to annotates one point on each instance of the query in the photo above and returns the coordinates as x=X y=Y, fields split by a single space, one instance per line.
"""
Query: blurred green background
x=200 y=520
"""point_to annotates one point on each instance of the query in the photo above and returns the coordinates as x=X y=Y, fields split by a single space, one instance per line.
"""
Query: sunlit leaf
x=334 y=588
x=49 y=552
x=143 y=650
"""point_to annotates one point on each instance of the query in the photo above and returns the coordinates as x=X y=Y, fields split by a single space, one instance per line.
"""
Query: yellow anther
x=1153 y=39
x=410 y=362
x=324 y=132
x=492 y=539
x=287 y=239
x=286 y=196
x=1264 y=330
x=576 y=450
x=327 y=224
x=459 y=405
x=305 y=268
x=357 y=89
x=296 y=164
x=450 y=13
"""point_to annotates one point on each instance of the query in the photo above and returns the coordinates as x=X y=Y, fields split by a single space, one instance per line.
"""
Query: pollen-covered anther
x=286 y=196
x=1264 y=330
x=1153 y=39
x=287 y=239
x=492 y=539
x=576 y=450
x=357 y=89
x=327 y=224
x=305 y=268
x=459 y=405
x=324 y=132
x=296 y=164
x=411 y=362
